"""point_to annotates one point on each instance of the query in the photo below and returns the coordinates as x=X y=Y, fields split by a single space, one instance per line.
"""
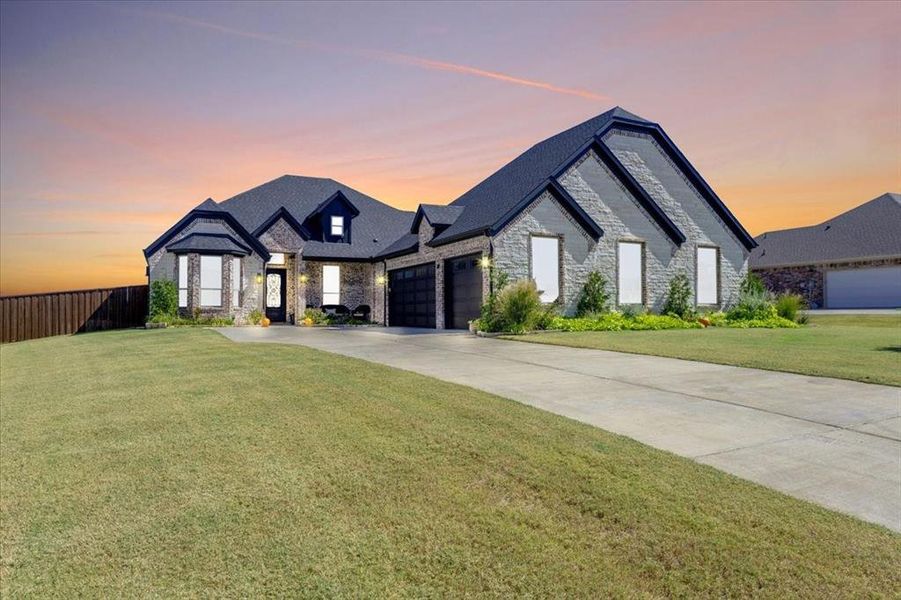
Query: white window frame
x=337 y=222
x=182 y=280
x=235 y=265
x=211 y=283
x=276 y=258
x=707 y=293
x=630 y=275
x=331 y=284
x=544 y=265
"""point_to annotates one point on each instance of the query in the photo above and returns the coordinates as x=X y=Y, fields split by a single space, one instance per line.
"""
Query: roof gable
x=209 y=243
x=494 y=198
x=284 y=214
x=210 y=212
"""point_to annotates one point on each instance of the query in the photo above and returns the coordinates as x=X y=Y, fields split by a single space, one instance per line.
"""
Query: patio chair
x=362 y=312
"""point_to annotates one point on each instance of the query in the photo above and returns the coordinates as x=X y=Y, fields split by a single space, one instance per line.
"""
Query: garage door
x=462 y=291
x=411 y=296
x=864 y=288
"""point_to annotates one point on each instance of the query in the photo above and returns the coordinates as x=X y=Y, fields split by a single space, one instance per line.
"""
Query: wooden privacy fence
x=60 y=313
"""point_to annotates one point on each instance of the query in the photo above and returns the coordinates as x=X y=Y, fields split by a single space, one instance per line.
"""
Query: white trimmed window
x=183 y=281
x=277 y=258
x=337 y=225
x=210 y=281
x=708 y=275
x=546 y=266
x=236 y=281
x=331 y=284
x=630 y=259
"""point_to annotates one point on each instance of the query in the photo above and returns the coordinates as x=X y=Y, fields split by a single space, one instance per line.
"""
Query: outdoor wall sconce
x=380 y=280
x=303 y=278
x=485 y=262
x=259 y=278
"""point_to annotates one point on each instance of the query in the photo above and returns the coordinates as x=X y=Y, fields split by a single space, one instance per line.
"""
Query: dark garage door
x=411 y=296
x=462 y=291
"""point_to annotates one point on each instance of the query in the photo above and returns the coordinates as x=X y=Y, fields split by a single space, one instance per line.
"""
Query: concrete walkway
x=833 y=442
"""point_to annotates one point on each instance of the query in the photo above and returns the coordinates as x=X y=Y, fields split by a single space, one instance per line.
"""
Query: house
x=613 y=194
x=850 y=261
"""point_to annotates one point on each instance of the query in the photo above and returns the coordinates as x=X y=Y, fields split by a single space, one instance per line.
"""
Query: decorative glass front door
x=275 y=295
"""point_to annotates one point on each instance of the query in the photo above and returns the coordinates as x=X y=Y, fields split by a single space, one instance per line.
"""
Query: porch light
x=259 y=278
x=303 y=278
x=380 y=280
x=485 y=261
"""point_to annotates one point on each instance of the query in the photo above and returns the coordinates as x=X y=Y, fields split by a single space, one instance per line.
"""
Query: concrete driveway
x=833 y=442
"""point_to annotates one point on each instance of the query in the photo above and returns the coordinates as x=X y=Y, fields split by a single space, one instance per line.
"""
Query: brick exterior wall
x=810 y=280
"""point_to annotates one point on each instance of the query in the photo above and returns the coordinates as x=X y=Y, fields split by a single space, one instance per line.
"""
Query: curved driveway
x=833 y=442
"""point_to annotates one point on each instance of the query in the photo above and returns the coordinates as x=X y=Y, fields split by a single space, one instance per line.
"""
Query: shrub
x=489 y=319
x=255 y=317
x=316 y=316
x=616 y=321
x=518 y=307
x=789 y=306
x=754 y=301
x=631 y=310
x=163 y=300
x=595 y=297
x=678 y=299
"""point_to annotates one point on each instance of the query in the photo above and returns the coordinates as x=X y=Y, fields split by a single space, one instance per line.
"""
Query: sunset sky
x=116 y=119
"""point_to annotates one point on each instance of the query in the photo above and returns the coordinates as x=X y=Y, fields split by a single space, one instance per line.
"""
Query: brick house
x=850 y=261
x=612 y=194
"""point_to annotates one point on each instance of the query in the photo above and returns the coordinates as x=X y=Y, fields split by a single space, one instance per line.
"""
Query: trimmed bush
x=316 y=316
x=678 y=299
x=789 y=306
x=163 y=300
x=255 y=317
x=595 y=297
x=617 y=321
x=489 y=319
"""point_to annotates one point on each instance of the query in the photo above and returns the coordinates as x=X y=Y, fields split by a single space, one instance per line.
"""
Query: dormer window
x=337 y=226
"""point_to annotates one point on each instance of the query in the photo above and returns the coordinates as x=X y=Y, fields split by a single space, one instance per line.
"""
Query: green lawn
x=175 y=463
x=864 y=348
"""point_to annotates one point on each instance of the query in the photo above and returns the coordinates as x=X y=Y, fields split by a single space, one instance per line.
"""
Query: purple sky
x=115 y=119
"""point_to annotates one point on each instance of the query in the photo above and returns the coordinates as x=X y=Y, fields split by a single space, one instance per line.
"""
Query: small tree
x=489 y=319
x=595 y=297
x=752 y=284
x=678 y=299
x=163 y=299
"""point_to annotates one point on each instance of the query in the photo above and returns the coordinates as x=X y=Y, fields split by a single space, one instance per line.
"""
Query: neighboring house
x=850 y=261
x=612 y=194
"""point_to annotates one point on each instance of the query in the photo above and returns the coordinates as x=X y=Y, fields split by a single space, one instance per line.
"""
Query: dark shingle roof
x=871 y=230
x=406 y=243
x=438 y=214
x=374 y=229
x=494 y=197
x=209 y=242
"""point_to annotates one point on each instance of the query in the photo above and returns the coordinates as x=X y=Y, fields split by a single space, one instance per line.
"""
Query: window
x=331 y=284
x=708 y=275
x=631 y=276
x=277 y=258
x=338 y=225
x=546 y=266
x=183 y=281
x=210 y=281
x=236 y=281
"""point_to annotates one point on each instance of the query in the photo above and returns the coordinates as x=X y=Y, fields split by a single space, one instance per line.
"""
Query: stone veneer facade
x=622 y=219
x=810 y=280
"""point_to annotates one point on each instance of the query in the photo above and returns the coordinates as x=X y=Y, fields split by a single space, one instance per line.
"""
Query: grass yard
x=860 y=347
x=176 y=463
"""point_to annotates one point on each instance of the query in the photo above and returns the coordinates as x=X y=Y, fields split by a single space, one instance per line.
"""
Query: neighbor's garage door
x=462 y=291
x=411 y=296
x=864 y=288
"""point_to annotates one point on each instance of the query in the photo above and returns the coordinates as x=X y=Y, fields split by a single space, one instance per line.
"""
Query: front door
x=275 y=295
